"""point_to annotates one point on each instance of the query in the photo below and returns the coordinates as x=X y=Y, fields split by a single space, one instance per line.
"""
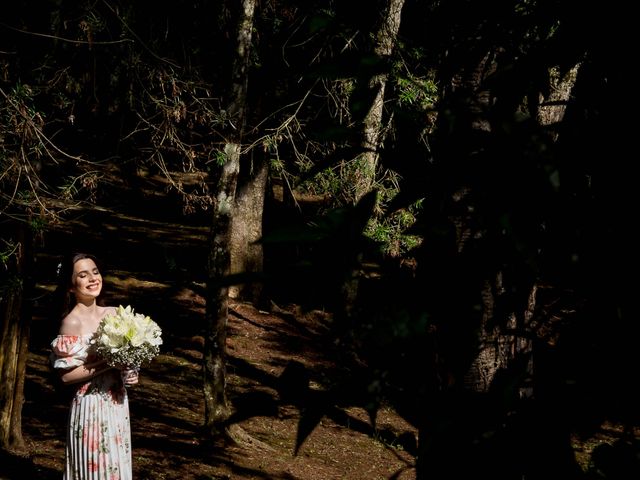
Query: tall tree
x=31 y=194
x=15 y=319
x=217 y=407
x=493 y=202
x=374 y=122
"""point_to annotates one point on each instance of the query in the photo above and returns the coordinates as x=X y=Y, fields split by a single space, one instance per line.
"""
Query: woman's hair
x=64 y=298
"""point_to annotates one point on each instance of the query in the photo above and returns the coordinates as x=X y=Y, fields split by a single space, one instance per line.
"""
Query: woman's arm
x=84 y=372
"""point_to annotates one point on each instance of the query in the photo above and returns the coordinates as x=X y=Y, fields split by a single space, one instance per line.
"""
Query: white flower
x=127 y=338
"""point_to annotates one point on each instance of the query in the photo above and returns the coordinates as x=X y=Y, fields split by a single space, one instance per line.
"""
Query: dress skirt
x=98 y=443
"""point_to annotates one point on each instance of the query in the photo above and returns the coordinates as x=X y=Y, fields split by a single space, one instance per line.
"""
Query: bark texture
x=373 y=134
x=246 y=232
x=217 y=407
x=15 y=323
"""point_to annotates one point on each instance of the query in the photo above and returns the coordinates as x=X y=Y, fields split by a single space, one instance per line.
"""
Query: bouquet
x=127 y=339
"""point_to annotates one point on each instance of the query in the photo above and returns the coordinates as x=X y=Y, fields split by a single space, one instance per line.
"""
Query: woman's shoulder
x=75 y=324
x=71 y=325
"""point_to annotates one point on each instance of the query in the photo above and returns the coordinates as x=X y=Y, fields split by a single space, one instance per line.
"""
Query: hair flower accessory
x=127 y=339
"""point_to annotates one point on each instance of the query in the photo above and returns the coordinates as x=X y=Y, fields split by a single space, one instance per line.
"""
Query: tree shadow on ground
x=158 y=268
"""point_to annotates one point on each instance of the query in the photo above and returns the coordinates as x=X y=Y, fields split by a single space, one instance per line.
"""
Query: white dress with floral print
x=99 y=435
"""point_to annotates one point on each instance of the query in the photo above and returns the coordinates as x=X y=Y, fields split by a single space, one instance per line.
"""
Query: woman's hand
x=130 y=376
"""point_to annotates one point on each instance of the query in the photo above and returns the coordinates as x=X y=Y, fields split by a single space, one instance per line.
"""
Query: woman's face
x=86 y=280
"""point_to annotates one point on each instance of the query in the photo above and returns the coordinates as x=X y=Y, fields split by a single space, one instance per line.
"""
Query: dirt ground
x=158 y=267
x=155 y=261
x=167 y=410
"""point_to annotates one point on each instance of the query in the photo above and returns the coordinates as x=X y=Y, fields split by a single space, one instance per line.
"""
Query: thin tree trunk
x=217 y=407
x=15 y=322
x=373 y=121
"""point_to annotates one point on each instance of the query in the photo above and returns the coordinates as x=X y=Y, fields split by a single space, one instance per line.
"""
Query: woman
x=98 y=435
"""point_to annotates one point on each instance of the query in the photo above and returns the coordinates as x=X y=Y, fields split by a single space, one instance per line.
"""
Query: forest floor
x=167 y=412
x=157 y=266
x=158 y=276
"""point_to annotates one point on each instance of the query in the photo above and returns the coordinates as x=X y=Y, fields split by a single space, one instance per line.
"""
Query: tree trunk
x=217 y=408
x=500 y=344
x=246 y=231
x=551 y=108
x=470 y=98
x=373 y=121
x=15 y=320
x=487 y=345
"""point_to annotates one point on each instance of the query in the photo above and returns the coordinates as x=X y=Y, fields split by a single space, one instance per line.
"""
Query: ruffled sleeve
x=68 y=351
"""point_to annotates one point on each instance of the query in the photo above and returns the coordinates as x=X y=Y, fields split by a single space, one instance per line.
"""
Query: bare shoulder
x=71 y=325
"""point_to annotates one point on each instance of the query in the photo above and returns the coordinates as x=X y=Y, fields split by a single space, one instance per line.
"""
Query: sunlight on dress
x=99 y=434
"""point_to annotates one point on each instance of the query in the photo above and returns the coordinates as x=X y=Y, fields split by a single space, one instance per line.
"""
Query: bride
x=98 y=444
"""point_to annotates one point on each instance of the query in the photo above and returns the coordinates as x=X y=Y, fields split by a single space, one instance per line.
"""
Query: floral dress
x=99 y=434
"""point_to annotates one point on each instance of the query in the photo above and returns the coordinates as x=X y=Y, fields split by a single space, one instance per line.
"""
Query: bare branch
x=62 y=39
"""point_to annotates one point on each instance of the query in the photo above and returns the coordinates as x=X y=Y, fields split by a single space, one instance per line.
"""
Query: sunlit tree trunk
x=551 y=108
x=14 y=330
x=386 y=38
x=246 y=230
x=217 y=407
